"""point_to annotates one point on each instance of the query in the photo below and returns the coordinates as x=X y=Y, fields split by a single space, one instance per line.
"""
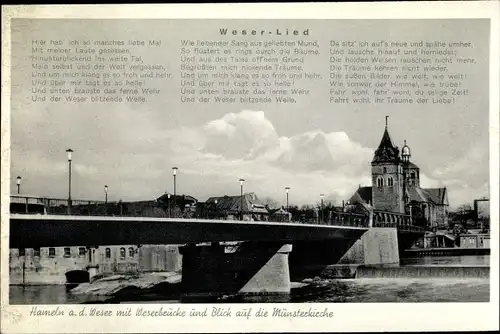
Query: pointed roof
x=362 y=195
x=386 y=151
x=410 y=165
x=437 y=195
x=233 y=203
x=184 y=198
x=433 y=195
x=416 y=194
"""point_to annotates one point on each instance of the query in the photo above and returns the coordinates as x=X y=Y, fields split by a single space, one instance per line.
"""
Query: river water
x=404 y=289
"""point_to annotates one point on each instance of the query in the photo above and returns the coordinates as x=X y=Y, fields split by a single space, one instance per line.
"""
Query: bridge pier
x=250 y=269
x=377 y=246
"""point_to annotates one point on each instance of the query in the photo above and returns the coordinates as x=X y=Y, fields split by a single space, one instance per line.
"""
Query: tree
x=295 y=211
x=270 y=203
x=458 y=230
x=464 y=208
x=463 y=214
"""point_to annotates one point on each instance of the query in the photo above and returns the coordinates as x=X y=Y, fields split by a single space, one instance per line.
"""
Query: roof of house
x=185 y=198
x=281 y=211
x=437 y=195
x=430 y=195
x=363 y=197
x=417 y=194
x=233 y=203
x=386 y=151
x=363 y=194
x=411 y=165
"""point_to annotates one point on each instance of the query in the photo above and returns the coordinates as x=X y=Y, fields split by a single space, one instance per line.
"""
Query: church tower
x=410 y=170
x=387 y=176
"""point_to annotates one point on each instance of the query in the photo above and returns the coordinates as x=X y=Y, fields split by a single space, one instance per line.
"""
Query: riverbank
x=132 y=287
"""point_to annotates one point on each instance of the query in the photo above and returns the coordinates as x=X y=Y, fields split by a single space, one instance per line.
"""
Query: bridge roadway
x=30 y=231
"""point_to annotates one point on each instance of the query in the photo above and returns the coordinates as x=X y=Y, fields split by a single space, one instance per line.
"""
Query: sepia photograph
x=222 y=162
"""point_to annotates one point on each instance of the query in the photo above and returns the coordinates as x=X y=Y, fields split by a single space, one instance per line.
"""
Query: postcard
x=250 y=167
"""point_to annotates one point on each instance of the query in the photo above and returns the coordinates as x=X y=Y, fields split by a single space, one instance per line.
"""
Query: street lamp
x=241 y=195
x=18 y=181
x=321 y=214
x=69 y=151
x=106 y=193
x=174 y=173
x=287 y=190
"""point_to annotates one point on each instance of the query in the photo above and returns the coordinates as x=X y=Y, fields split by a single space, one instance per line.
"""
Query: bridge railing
x=348 y=219
x=337 y=219
x=56 y=206
x=401 y=221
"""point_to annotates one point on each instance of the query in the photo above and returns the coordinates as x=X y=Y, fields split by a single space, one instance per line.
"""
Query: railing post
x=26 y=206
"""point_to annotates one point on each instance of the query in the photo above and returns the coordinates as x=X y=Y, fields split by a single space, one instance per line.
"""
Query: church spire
x=386 y=151
x=405 y=153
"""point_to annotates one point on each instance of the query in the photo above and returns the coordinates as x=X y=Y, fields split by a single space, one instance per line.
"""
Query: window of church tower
x=390 y=182
x=380 y=182
x=412 y=175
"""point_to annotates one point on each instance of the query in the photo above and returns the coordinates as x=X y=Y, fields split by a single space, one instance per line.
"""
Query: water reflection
x=47 y=294
x=331 y=291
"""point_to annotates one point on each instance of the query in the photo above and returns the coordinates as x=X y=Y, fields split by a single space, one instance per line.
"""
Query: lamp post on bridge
x=287 y=190
x=321 y=212
x=241 y=197
x=106 y=194
x=169 y=208
x=69 y=151
x=216 y=210
x=174 y=173
x=18 y=181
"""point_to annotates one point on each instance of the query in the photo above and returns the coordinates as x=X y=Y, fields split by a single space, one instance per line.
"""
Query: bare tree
x=464 y=208
x=270 y=203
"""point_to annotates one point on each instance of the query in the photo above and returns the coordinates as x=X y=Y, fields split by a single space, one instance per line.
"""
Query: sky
x=312 y=146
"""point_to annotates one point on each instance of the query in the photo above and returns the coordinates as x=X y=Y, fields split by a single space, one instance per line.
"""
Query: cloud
x=466 y=177
x=472 y=165
x=135 y=160
x=324 y=152
x=247 y=145
x=246 y=135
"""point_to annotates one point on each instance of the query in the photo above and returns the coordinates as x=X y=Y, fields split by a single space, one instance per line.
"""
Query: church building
x=396 y=187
